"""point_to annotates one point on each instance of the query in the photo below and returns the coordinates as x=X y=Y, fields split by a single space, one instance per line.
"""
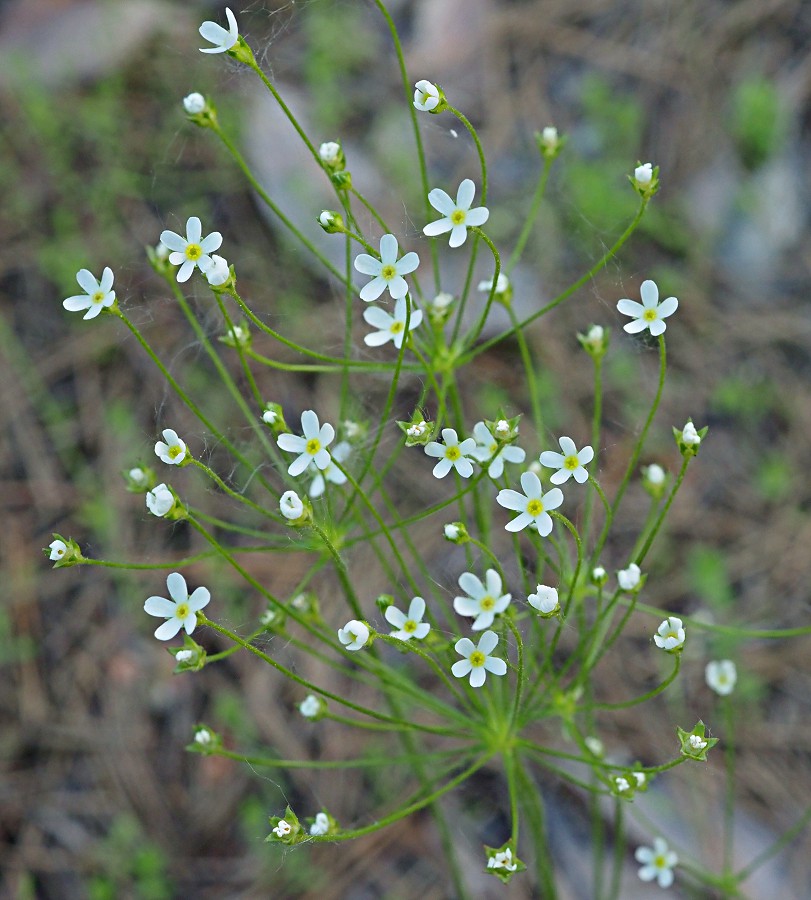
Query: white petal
x=309 y=424
x=458 y=236
x=552 y=460
x=441 y=201
x=561 y=476
x=184 y=272
x=477 y=216
x=581 y=476
x=510 y=499
x=471 y=585
x=477 y=677
x=531 y=484
x=465 y=194
x=553 y=499
x=395 y=617
x=464 y=646
x=461 y=668
x=373 y=289
x=408 y=263
x=519 y=523
x=442 y=468
x=388 y=249
x=200 y=597
x=636 y=326
x=326 y=435
x=416 y=609
x=585 y=456
x=173 y=241
x=495 y=665
x=544 y=523
x=630 y=308
x=441 y=226
x=214 y=33
x=656 y=328
x=211 y=242
x=168 y=630
x=322 y=459
x=493 y=582
x=299 y=464
x=378 y=338
x=178 y=590
x=649 y=293
x=291 y=442
x=194 y=228
x=107 y=281
x=466 y=606
x=568 y=446
x=487 y=643
x=367 y=265
x=398 y=287
x=667 y=307
x=159 y=606
x=87 y=281
x=77 y=303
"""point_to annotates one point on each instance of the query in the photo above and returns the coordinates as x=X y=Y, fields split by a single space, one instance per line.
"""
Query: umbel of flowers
x=464 y=664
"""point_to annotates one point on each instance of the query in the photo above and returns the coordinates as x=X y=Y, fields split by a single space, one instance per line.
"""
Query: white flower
x=643 y=174
x=309 y=706
x=628 y=579
x=453 y=454
x=193 y=250
x=291 y=506
x=426 y=96
x=594 y=336
x=410 y=625
x=202 y=736
x=477 y=660
x=386 y=272
x=391 y=327
x=58 y=550
x=570 y=462
x=171 y=449
x=657 y=862
x=159 y=500
x=598 y=575
x=545 y=599
x=622 y=784
x=311 y=447
x=550 y=137
x=329 y=152
x=503 y=859
x=217 y=271
x=721 y=674
x=332 y=473
x=689 y=435
x=650 y=313
x=483 y=601
x=457 y=216
x=502 y=284
x=269 y=416
x=282 y=829
x=320 y=825
x=137 y=475
x=451 y=531
x=488 y=448
x=97 y=294
x=640 y=778
x=180 y=611
x=354 y=635
x=194 y=103
x=217 y=35
x=442 y=301
x=418 y=429
x=696 y=742
x=533 y=505
x=183 y=656
x=670 y=634
x=654 y=474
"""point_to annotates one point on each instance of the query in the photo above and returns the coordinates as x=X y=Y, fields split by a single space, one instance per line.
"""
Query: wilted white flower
x=171 y=450
x=184 y=656
x=477 y=661
x=483 y=601
x=569 y=463
x=320 y=825
x=386 y=272
x=622 y=784
x=310 y=706
x=291 y=506
x=697 y=742
x=193 y=250
x=390 y=327
x=202 y=736
x=628 y=579
x=721 y=675
x=97 y=294
x=354 y=635
x=194 y=103
x=657 y=862
x=311 y=447
x=533 y=505
x=503 y=859
x=650 y=313
x=457 y=215
x=58 y=550
x=670 y=634
x=408 y=625
x=282 y=829
x=545 y=599
x=329 y=152
x=453 y=454
x=488 y=448
x=426 y=96
x=180 y=611
x=217 y=272
x=418 y=429
x=223 y=40
x=159 y=500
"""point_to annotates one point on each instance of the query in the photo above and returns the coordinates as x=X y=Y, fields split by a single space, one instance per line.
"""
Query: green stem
x=531 y=216
x=663 y=513
x=626 y=704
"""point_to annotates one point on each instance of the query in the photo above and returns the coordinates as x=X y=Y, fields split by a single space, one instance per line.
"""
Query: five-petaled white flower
x=488 y=448
x=309 y=706
x=194 y=103
x=171 y=450
x=217 y=35
x=408 y=625
x=650 y=313
x=545 y=599
x=657 y=862
x=570 y=462
x=282 y=829
x=159 y=500
x=354 y=635
x=386 y=272
x=503 y=859
x=58 y=550
x=180 y=611
x=312 y=447
x=670 y=634
x=391 y=327
x=97 y=294
x=332 y=473
x=721 y=674
x=533 y=505
x=483 y=601
x=193 y=250
x=628 y=579
x=453 y=454
x=426 y=96
x=291 y=506
x=457 y=215
x=477 y=660
x=320 y=825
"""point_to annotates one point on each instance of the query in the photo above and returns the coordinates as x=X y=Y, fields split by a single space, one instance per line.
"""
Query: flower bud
x=456 y=533
x=194 y=104
x=549 y=142
x=429 y=97
x=595 y=341
x=332 y=222
x=645 y=179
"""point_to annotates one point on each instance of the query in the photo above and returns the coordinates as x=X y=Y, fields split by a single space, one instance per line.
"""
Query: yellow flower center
x=193 y=252
x=388 y=272
x=535 y=507
x=452 y=453
x=182 y=610
x=477 y=659
x=410 y=626
x=487 y=603
x=659 y=861
x=397 y=327
x=458 y=216
x=650 y=315
x=175 y=451
x=313 y=446
x=571 y=463
x=98 y=297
